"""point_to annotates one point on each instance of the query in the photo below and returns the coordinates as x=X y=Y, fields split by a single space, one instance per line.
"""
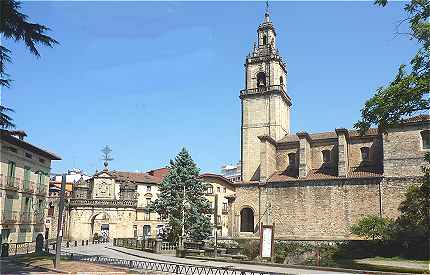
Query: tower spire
x=266 y=13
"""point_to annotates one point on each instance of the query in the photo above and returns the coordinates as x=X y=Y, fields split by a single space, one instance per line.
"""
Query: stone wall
x=320 y=210
x=403 y=151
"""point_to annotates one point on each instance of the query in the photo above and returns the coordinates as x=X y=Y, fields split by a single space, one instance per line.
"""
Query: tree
x=15 y=25
x=407 y=94
x=373 y=227
x=414 y=220
x=171 y=201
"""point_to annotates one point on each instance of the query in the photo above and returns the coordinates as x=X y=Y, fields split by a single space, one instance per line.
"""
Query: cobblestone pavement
x=106 y=249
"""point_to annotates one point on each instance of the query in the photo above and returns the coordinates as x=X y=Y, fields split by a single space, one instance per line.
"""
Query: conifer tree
x=171 y=201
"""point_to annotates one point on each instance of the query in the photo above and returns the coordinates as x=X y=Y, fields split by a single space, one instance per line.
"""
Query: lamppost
x=60 y=223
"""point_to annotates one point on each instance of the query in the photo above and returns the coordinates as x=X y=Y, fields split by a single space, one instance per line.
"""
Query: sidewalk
x=44 y=264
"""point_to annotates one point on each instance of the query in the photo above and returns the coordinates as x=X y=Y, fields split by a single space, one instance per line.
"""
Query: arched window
x=326 y=156
x=261 y=79
x=425 y=136
x=281 y=81
x=291 y=159
x=365 y=153
x=247 y=220
x=264 y=39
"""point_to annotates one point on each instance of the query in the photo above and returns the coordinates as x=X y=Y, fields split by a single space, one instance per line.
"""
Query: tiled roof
x=328 y=173
x=417 y=118
x=8 y=137
x=159 y=173
x=210 y=175
x=136 y=177
x=326 y=135
x=352 y=133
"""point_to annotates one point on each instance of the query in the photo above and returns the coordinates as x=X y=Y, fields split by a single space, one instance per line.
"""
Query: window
x=281 y=81
x=210 y=189
x=425 y=136
x=13 y=149
x=264 y=39
x=42 y=160
x=225 y=207
x=148 y=201
x=148 y=188
x=326 y=156
x=28 y=155
x=364 y=153
x=147 y=216
x=11 y=169
x=218 y=189
x=224 y=189
x=291 y=159
x=261 y=79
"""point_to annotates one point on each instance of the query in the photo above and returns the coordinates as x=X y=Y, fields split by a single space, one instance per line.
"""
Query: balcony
x=10 y=217
x=39 y=218
x=26 y=218
x=11 y=183
x=28 y=187
x=41 y=190
x=103 y=203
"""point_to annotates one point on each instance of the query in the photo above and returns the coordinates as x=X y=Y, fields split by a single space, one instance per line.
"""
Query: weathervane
x=267 y=7
x=106 y=156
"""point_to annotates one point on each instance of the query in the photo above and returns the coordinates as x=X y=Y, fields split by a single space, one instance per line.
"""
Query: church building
x=314 y=186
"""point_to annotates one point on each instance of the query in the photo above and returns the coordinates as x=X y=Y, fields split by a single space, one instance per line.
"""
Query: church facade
x=314 y=186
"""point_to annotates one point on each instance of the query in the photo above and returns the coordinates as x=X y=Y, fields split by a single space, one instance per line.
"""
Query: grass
x=350 y=264
x=399 y=259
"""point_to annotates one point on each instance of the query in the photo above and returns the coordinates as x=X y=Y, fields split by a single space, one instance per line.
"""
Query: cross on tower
x=106 y=156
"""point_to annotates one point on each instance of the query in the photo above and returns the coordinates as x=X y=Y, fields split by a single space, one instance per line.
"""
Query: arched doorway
x=100 y=226
x=247 y=220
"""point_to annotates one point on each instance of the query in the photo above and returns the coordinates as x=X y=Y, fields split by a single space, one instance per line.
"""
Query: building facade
x=314 y=185
x=24 y=182
x=232 y=172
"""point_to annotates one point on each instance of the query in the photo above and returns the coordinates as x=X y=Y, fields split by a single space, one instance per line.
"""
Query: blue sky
x=148 y=78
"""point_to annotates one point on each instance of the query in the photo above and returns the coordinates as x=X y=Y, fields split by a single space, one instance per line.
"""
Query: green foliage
x=250 y=248
x=15 y=25
x=407 y=94
x=170 y=204
x=413 y=222
x=373 y=227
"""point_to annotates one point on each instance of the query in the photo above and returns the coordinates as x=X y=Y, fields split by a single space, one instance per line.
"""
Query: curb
x=322 y=268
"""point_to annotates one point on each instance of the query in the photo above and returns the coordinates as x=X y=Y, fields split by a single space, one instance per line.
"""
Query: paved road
x=130 y=254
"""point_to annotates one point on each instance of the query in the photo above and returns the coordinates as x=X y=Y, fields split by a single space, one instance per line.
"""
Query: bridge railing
x=164 y=266
x=151 y=245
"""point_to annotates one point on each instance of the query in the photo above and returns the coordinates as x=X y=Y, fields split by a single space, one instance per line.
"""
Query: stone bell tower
x=265 y=103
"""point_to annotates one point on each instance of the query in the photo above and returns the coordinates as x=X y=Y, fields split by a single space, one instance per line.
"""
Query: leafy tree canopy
x=373 y=227
x=171 y=202
x=407 y=94
x=16 y=26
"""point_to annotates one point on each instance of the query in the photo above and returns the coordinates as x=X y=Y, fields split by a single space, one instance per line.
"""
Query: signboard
x=266 y=241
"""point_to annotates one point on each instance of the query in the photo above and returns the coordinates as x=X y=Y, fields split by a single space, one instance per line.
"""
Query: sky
x=148 y=78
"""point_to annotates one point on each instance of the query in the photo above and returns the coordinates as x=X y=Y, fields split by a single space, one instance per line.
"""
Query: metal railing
x=41 y=190
x=28 y=186
x=10 y=217
x=169 y=267
x=21 y=248
x=11 y=183
x=103 y=203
